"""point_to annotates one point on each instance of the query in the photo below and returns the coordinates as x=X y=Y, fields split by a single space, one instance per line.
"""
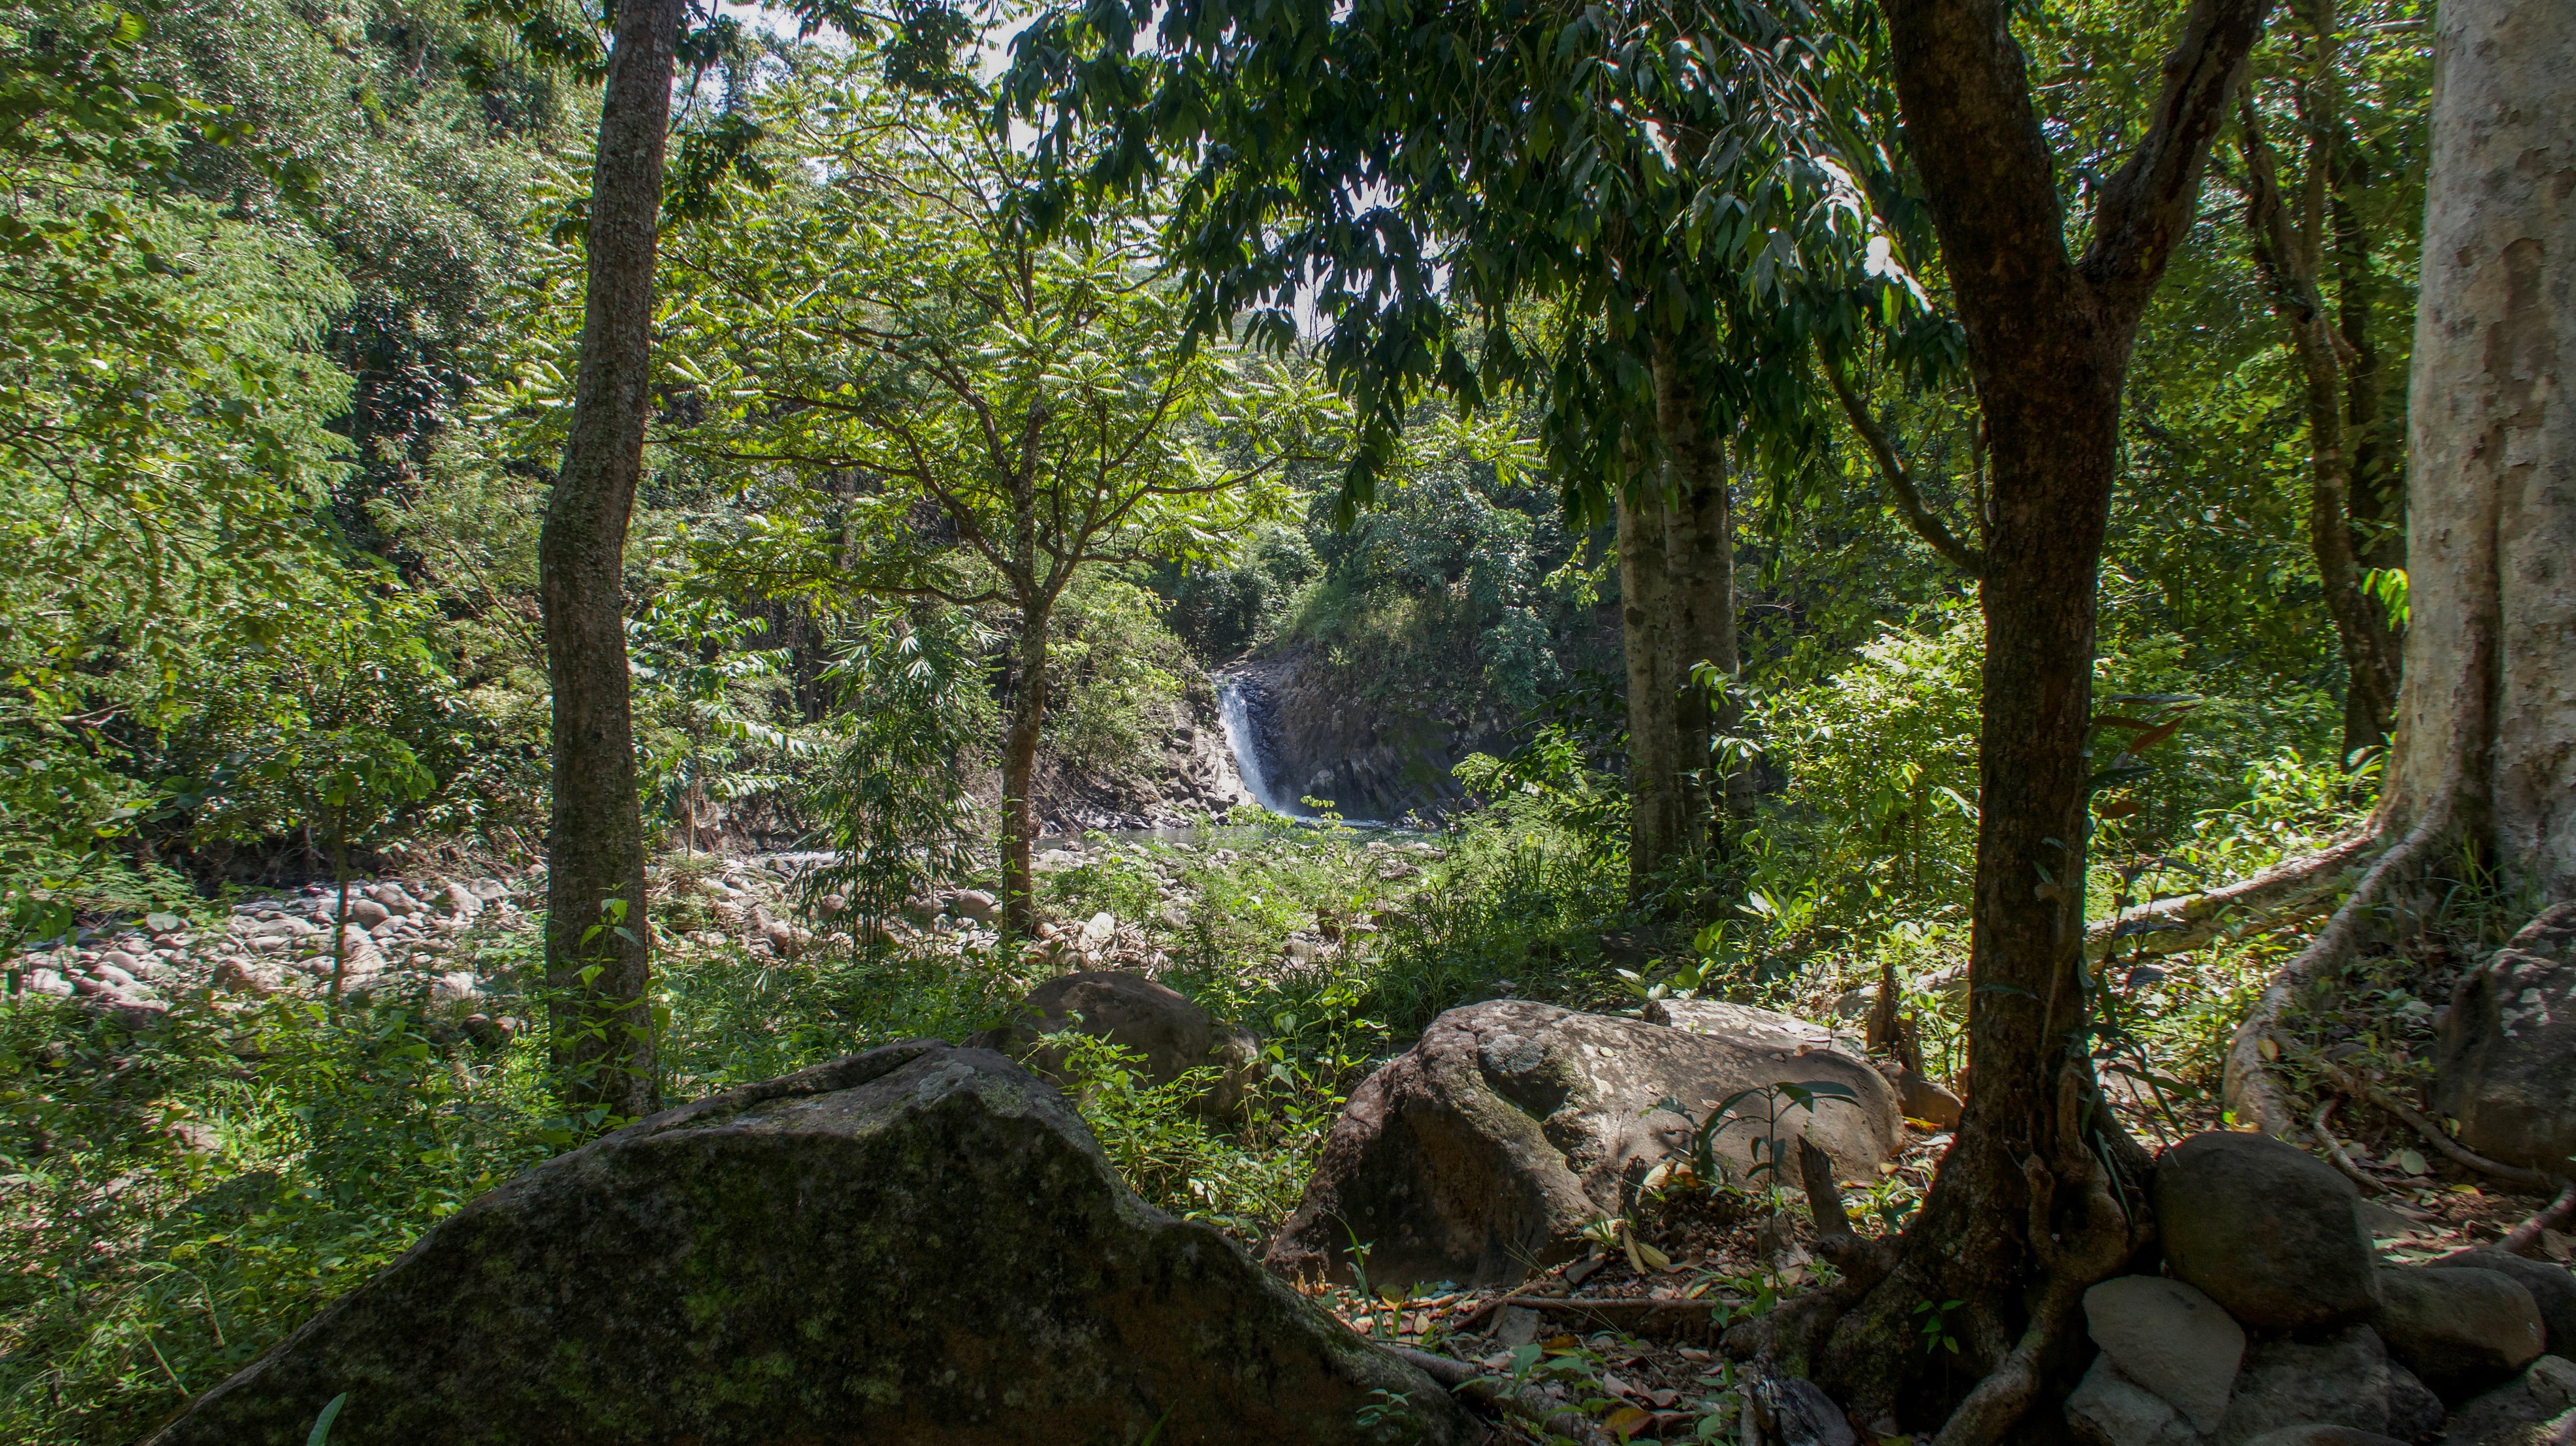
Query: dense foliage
x=976 y=466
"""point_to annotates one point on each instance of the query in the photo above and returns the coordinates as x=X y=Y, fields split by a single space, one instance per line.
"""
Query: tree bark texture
x=1657 y=807
x=2489 y=708
x=1019 y=772
x=1699 y=561
x=602 y=1028
x=2049 y=339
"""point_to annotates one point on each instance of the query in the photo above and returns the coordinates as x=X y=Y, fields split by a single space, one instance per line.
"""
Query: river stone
x=2171 y=1339
x=367 y=913
x=1165 y=1026
x=1483 y=1151
x=2536 y=1408
x=2269 y=1231
x=2552 y=1287
x=919 y=1245
x=460 y=903
x=2461 y=1329
x=2344 y=1378
x=2109 y=1409
x=2505 y=1060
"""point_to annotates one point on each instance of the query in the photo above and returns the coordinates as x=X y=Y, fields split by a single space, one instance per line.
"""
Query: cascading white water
x=1234 y=713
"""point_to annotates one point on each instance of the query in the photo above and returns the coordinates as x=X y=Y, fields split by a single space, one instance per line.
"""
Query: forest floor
x=180 y=1187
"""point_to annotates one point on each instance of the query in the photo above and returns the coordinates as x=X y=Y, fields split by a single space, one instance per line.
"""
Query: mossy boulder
x=916 y=1245
x=1485 y=1150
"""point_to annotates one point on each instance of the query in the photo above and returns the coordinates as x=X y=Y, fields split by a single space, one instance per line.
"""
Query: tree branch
x=1909 y=502
x=2147 y=204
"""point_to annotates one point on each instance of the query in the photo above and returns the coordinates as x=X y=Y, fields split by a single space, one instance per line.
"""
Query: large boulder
x=2505 y=1062
x=2536 y=1408
x=2343 y=1378
x=2552 y=1287
x=2270 y=1232
x=2461 y=1329
x=1483 y=1151
x=917 y=1245
x=1171 y=1033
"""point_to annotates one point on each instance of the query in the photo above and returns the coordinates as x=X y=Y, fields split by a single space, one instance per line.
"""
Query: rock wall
x=1374 y=760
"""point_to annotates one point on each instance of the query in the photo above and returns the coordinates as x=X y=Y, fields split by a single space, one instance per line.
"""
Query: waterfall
x=1234 y=712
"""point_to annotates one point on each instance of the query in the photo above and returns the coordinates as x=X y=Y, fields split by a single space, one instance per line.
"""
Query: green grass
x=174 y=1202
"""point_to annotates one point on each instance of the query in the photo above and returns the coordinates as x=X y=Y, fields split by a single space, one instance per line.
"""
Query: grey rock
x=2552 y=1287
x=2343 y=1378
x=918 y=1245
x=2460 y=1329
x=1750 y=1027
x=1518 y=1326
x=2171 y=1339
x=460 y=902
x=1172 y=1033
x=2109 y=1409
x=2505 y=1057
x=2267 y=1230
x=367 y=913
x=2536 y=1408
x=1486 y=1148
x=246 y=976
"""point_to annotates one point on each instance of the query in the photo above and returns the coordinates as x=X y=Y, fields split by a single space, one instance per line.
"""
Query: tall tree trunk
x=601 y=1027
x=2290 y=253
x=1699 y=558
x=2027 y=1210
x=2488 y=717
x=1656 y=826
x=1019 y=772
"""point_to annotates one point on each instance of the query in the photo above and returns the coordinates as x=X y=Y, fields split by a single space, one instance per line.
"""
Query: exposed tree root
x=2250 y=1087
x=2524 y=1239
x=2290 y=889
x=2074 y=1255
x=1496 y=1395
x=2334 y=1149
x=2434 y=1135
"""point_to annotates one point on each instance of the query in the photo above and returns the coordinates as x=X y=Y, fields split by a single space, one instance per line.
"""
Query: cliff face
x=1375 y=760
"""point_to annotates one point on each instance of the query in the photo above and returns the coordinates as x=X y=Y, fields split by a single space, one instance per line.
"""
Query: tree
x=2492 y=471
x=2295 y=238
x=955 y=408
x=597 y=956
x=2483 y=762
x=1684 y=202
x=2027 y=1210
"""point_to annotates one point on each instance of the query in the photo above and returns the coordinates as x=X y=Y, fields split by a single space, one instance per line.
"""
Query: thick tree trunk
x=1657 y=828
x=602 y=1029
x=2486 y=741
x=2489 y=709
x=1019 y=773
x=1699 y=556
x=2026 y=1212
